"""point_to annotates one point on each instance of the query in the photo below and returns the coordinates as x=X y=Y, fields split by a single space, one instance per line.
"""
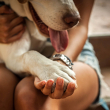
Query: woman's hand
x=11 y=25
x=46 y=88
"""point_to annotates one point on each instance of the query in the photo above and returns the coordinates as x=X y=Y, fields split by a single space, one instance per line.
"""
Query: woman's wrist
x=77 y=38
x=63 y=59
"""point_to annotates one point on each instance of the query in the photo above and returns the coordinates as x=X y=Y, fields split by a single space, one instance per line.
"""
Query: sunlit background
x=100 y=18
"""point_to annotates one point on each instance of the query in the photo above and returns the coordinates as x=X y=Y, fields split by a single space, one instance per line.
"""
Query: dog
x=44 y=18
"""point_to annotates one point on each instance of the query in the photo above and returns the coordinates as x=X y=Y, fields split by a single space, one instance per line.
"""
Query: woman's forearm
x=78 y=34
x=77 y=38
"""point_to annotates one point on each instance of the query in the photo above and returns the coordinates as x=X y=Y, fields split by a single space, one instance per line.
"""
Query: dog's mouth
x=59 y=39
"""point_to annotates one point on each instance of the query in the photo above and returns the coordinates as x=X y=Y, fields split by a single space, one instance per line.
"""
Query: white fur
x=18 y=55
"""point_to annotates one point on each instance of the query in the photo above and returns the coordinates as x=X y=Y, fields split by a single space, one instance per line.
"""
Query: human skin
x=77 y=39
x=11 y=25
x=86 y=76
x=11 y=29
x=27 y=97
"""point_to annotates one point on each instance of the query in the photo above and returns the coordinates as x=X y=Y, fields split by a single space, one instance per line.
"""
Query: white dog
x=44 y=18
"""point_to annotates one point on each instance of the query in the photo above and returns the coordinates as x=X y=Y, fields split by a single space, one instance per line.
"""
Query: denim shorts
x=88 y=56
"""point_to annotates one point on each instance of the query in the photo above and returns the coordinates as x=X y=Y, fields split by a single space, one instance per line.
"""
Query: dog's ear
x=22 y=1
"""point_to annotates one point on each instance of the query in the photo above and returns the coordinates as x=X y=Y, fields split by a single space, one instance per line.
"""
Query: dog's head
x=53 y=18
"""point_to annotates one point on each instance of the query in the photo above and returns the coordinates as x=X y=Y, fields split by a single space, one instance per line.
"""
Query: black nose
x=71 y=20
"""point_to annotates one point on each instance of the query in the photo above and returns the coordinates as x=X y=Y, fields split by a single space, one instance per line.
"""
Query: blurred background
x=99 y=36
x=100 y=18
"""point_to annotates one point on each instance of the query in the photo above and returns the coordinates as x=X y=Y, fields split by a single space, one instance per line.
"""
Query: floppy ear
x=22 y=1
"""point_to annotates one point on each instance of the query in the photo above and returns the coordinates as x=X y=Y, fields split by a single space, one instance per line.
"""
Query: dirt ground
x=100 y=18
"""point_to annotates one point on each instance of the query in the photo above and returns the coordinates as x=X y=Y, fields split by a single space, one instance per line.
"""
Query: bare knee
x=86 y=74
x=8 y=82
x=27 y=96
x=23 y=93
x=87 y=90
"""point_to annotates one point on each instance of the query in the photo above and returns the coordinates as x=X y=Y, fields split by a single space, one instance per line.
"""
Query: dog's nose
x=71 y=20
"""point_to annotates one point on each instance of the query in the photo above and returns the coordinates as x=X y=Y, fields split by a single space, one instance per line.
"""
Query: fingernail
x=50 y=83
x=43 y=83
x=72 y=86
x=60 y=81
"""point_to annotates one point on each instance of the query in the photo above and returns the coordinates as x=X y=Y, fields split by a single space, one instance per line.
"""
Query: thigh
x=28 y=97
x=87 y=91
x=8 y=81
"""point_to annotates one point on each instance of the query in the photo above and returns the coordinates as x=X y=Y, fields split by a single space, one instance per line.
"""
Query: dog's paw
x=54 y=70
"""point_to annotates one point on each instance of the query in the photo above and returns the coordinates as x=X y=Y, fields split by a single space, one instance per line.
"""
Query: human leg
x=8 y=81
x=28 y=97
x=87 y=91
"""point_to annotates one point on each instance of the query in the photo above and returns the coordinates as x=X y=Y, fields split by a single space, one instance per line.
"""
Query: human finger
x=8 y=28
x=39 y=84
x=16 y=21
x=16 y=37
x=48 y=87
x=70 y=90
x=67 y=79
x=59 y=89
x=7 y=18
x=12 y=39
x=16 y=30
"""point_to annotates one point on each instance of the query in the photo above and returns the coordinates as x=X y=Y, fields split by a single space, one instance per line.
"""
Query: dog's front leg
x=19 y=60
x=32 y=62
x=11 y=54
x=46 y=69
